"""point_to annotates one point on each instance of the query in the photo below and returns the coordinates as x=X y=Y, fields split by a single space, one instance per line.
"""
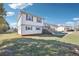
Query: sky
x=54 y=13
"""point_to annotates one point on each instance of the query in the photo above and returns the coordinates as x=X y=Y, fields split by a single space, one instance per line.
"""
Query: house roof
x=24 y=12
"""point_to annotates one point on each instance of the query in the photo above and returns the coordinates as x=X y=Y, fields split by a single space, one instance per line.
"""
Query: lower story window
x=37 y=28
x=28 y=27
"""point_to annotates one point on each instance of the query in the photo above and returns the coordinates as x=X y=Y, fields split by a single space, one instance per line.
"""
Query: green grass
x=15 y=45
x=32 y=47
x=72 y=38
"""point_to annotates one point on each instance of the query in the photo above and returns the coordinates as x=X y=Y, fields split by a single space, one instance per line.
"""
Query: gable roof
x=23 y=12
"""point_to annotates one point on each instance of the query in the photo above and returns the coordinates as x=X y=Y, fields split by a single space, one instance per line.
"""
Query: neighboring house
x=60 y=28
x=12 y=29
x=29 y=24
x=76 y=26
x=53 y=27
x=69 y=28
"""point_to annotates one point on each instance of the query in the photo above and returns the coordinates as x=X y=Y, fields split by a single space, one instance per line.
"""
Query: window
x=37 y=28
x=29 y=17
x=28 y=27
x=39 y=20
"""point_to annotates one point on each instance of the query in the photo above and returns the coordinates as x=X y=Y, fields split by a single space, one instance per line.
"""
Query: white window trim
x=28 y=27
x=29 y=16
x=39 y=28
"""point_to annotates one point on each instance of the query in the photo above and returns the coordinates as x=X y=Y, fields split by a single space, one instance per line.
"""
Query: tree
x=4 y=26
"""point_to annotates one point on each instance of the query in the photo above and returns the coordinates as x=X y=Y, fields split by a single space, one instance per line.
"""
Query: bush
x=4 y=26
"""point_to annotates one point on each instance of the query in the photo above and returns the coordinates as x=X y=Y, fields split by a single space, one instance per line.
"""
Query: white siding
x=22 y=23
x=60 y=29
x=33 y=31
x=27 y=22
x=19 y=25
x=19 y=30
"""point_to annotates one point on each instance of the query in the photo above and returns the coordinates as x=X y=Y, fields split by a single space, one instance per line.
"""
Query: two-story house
x=29 y=24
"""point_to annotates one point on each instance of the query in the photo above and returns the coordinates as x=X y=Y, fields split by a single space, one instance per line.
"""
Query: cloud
x=10 y=13
x=13 y=23
x=69 y=23
x=19 y=5
x=75 y=19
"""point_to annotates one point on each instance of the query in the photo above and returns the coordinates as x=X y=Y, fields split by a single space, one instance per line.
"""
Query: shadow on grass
x=7 y=32
x=32 y=47
x=45 y=35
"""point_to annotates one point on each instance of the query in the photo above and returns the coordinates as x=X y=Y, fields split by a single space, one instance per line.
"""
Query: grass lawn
x=71 y=38
x=40 y=45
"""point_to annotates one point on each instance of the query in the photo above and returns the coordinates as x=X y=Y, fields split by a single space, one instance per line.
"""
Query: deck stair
x=48 y=30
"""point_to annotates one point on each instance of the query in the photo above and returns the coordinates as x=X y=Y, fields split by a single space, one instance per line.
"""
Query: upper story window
x=29 y=17
x=39 y=20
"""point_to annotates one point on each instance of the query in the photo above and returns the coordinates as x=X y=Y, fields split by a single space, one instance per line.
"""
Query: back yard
x=39 y=45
